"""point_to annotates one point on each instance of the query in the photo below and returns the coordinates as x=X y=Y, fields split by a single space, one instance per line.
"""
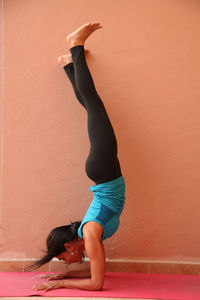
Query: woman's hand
x=47 y=286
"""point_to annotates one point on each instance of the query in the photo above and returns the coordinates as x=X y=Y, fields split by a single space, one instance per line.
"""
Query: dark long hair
x=55 y=243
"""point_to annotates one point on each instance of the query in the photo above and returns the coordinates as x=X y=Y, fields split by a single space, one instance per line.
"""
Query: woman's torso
x=106 y=206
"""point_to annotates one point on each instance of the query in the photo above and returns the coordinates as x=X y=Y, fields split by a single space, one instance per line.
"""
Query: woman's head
x=73 y=252
x=63 y=243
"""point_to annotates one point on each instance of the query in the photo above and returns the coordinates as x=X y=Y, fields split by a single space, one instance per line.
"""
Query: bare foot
x=65 y=59
x=79 y=36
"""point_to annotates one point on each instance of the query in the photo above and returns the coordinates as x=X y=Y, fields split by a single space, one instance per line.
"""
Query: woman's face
x=70 y=258
x=72 y=254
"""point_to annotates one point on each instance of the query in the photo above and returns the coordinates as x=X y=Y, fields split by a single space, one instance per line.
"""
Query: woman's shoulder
x=92 y=230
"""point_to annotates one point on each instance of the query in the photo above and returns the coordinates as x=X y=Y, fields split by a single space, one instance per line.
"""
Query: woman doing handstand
x=101 y=221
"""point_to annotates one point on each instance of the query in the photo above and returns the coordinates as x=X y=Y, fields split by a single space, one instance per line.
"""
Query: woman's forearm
x=79 y=273
x=82 y=284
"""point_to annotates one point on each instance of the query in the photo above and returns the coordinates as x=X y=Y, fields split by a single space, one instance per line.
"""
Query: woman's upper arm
x=96 y=253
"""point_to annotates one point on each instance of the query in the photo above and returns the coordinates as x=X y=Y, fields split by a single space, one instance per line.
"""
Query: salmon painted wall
x=1 y=133
x=146 y=66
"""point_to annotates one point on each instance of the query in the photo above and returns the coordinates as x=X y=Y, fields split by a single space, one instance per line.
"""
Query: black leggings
x=102 y=164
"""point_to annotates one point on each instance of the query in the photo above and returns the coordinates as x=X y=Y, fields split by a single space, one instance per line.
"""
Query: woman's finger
x=39 y=287
x=48 y=289
x=47 y=276
x=35 y=287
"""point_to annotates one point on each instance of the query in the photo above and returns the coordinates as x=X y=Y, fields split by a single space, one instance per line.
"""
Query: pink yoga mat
x=118 y=285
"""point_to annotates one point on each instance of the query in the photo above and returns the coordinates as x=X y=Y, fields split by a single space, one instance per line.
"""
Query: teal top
x=106 y=206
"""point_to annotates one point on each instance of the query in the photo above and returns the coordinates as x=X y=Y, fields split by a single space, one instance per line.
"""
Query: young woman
x=101 y=221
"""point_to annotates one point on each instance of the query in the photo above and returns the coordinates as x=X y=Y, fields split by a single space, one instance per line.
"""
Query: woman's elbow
x=97 y=287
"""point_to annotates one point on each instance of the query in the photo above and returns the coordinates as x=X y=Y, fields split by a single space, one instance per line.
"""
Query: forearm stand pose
x=102 y=166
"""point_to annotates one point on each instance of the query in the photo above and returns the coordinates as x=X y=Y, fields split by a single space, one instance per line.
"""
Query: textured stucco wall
x=146 y=66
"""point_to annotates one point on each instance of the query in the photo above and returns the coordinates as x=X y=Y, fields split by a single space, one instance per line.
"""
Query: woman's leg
x=69 y=69
x=102 y=163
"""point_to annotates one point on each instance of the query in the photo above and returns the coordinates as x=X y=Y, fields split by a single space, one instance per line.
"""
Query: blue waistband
x=109 y=185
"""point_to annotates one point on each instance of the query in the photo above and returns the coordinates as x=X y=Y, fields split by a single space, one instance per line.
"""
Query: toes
x=95 y=25
x=98 y=25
